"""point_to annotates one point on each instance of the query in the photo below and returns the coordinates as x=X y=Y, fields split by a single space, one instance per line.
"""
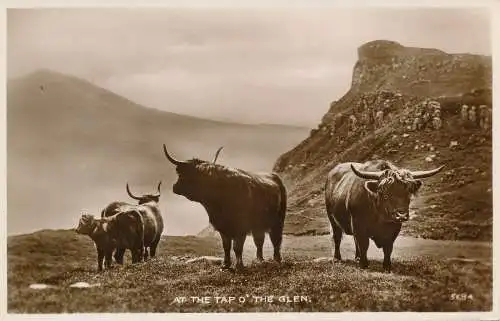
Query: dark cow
x=122 y=230
x=370 y=200
x=150 y=211
x=237 y=202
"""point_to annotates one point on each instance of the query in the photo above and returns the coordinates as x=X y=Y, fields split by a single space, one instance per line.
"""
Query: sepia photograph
x=215 y=159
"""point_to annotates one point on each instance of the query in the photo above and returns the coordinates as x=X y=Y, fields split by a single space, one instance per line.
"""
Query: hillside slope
x=456 y=204
x=72 y=146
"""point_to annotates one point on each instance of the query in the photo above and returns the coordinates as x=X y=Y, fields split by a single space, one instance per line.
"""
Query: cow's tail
x=139 y=227
x=283 y=199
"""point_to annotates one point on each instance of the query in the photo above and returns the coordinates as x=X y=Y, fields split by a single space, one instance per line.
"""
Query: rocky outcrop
x=404 y=105
x=387 y=65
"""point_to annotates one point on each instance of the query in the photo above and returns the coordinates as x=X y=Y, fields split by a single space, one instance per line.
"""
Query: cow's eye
x=385 y=196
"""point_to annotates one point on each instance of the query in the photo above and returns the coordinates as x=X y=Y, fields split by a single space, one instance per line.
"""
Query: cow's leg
x=226 y=244
x=100 y=258
x=239 y=241
x=152 y=248
x=146 y=253
x=363 y=243
x=387 y=256
x=336 y=239
x=258 y=238
x=119 y=253
x=136 y=254
x=141 y=252
x=276 y=236
x=107 y=258
x=356 y=256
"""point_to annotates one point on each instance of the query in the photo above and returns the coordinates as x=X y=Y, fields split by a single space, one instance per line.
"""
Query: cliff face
x=386 y=65
x=405 y=105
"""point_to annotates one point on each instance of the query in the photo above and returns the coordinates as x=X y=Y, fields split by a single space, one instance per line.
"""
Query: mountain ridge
x=72 y=145
x=46 y=77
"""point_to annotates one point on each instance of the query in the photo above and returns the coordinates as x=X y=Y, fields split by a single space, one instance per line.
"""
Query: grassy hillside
x=427 y=276
x=455 y=204
x=73 y=146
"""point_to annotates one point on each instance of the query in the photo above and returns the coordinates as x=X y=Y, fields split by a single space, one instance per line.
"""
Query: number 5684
x=461 y=296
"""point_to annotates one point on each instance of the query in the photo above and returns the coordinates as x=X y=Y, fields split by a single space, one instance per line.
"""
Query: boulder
x=208 y=259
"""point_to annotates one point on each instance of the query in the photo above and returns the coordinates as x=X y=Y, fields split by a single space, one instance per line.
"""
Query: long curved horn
x=158 y=188
x=366 y=175
x=170 y=158
x=130 y=194
x=217 y=154
x=425 y=174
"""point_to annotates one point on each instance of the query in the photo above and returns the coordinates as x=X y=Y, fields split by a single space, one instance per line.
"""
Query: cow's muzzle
x=175 y=188
x=401 y=217
x=179 y=189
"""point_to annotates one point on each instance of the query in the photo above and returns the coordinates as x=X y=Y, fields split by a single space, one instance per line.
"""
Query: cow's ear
x=415 y=186
x=371 y=187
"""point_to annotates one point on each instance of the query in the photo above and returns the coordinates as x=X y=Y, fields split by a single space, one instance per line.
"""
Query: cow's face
x=86 y=224
x=192 y=180
x=195 y=177
x=393 y=192
x=393 y=188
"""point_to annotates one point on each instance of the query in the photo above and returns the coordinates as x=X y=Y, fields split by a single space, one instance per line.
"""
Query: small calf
x=122 y=230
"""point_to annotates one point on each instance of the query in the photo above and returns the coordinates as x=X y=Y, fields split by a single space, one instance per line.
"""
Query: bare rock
x=323 y=259
x=40 y=286
x=208 y=259
x=82 y=285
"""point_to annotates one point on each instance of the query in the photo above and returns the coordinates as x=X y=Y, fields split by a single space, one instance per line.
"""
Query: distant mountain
x=72 y=145
x=456 y=204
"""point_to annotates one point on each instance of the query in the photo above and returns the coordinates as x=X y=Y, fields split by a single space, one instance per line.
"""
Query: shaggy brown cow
x=153 y=221
x=370 y=200
x=122 y=230
x=237 y=202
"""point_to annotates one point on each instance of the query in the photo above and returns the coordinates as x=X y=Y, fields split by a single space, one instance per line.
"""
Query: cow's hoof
x=226 y=269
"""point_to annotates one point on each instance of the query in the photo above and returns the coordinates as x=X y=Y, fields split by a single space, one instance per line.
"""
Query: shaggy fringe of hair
x=393 y=173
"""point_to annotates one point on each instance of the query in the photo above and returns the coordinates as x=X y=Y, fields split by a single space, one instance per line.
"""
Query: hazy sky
x=249 y=65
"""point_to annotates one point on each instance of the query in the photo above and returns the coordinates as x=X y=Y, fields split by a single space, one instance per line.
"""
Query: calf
x=123 y=230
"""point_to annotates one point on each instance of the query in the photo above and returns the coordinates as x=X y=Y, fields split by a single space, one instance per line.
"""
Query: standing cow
x=150 y=211
x=237 y=202
x=123 y=230
x=370 y=200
